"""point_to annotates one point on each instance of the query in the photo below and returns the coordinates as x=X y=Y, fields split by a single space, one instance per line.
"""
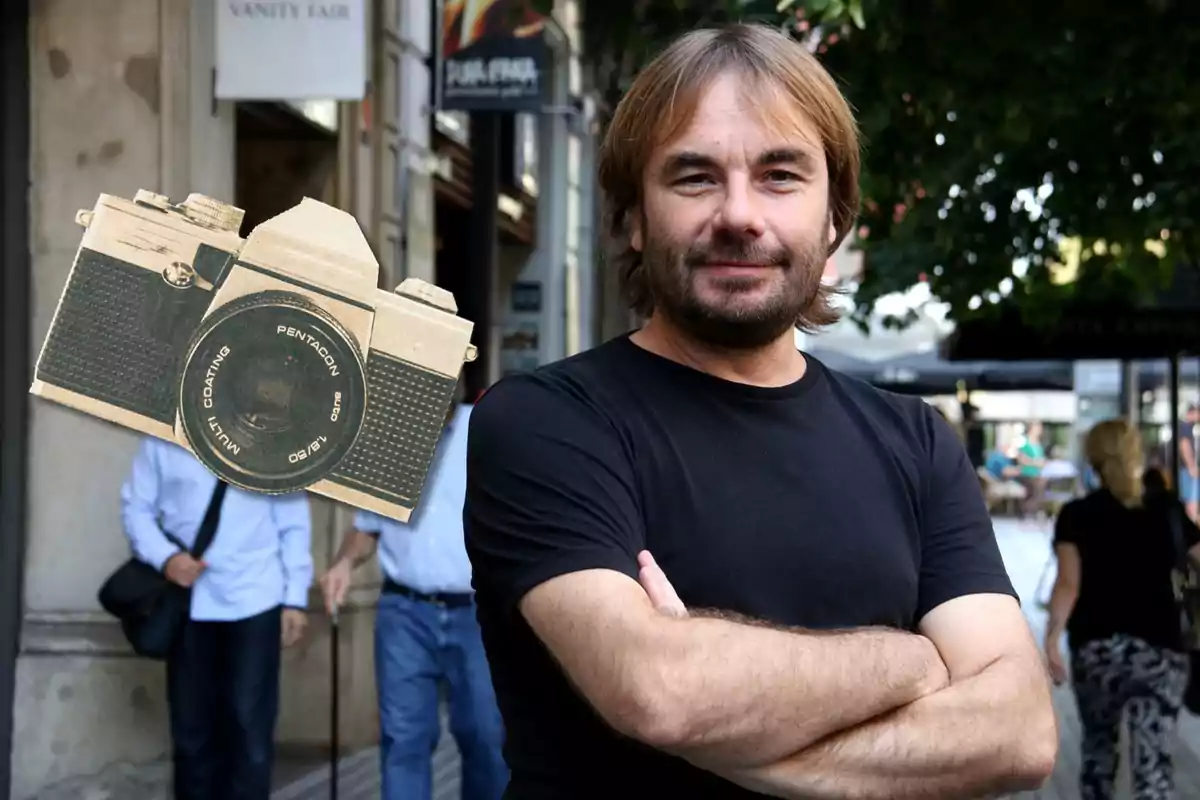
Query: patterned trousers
x=1123 y=674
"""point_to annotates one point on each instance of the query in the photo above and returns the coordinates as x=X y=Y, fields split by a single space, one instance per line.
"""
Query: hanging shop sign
x=493 y=56
x=291 y=50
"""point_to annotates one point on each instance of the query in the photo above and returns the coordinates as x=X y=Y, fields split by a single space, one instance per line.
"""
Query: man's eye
x=698 y=179
x=782 y=176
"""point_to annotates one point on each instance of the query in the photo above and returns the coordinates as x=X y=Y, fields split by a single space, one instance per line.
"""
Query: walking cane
x=333 y=704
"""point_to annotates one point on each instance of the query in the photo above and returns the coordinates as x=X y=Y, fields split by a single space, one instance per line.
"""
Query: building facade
x=116 y=96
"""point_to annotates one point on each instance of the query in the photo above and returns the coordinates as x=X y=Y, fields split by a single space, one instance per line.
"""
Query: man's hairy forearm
x=990 y=734
x=746 y=694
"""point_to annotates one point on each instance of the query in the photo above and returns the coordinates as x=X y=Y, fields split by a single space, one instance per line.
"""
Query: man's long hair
x=787 y=84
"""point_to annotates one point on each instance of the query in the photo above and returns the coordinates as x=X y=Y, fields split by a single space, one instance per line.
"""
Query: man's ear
x=832 y=233
x=634 y=221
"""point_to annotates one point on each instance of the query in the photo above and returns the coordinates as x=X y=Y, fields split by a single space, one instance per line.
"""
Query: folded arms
x=960 y=711
x=717 y=691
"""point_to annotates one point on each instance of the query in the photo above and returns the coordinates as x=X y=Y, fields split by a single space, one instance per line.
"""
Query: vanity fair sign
x=291 y=50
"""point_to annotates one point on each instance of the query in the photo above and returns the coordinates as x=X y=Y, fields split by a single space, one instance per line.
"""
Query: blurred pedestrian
x=1031 y=458
x=426 y=633
x=1189 y=472
x=249 y=597
x=1115 y=601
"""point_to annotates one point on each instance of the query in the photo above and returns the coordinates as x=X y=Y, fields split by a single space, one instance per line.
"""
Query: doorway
x=453 y=257
x=280 y=158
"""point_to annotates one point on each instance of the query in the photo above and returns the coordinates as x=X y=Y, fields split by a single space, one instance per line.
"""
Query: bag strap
x=212 y=516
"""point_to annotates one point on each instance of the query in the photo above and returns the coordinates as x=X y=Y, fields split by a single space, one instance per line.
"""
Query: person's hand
x=335 y=584
x=183 y=569
x=661 y=592
x=1054 y=659
x=293 y=625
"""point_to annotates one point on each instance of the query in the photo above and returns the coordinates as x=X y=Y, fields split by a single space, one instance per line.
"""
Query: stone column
x=112 y=111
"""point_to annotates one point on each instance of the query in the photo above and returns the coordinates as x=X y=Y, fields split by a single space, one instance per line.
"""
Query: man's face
x=735 y=229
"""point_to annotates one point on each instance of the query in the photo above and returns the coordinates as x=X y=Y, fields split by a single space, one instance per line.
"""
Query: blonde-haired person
x=1122 y=622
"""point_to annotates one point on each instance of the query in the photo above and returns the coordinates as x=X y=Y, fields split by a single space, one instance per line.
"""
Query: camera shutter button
x=179 y=275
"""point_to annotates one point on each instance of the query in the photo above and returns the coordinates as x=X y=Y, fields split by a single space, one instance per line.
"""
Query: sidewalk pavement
x=358 y=774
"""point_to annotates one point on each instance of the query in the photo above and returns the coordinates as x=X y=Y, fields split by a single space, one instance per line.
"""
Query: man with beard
x=705 y=564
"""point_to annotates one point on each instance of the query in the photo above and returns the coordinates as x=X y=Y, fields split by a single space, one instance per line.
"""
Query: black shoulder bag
x=151 y=607
x=1187 y=594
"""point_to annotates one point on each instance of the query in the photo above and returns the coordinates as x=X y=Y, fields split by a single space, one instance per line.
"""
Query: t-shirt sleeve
x=550 y=490
x=959 y=552
x=1066 y=525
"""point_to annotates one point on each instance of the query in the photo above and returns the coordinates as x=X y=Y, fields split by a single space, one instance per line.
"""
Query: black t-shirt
x=824 y=503
x=1126 y=557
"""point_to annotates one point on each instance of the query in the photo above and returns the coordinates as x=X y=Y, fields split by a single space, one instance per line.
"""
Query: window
x=525 y=159
x=455 y=124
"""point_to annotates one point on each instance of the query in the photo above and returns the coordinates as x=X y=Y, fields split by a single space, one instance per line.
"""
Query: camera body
x=274 y=359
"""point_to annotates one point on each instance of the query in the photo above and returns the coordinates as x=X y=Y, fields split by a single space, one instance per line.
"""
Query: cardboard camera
x=275 y=359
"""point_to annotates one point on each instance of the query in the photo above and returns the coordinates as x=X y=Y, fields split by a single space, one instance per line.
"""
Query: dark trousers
x=223 y=693
x=1035 y=489
x=1125 y=677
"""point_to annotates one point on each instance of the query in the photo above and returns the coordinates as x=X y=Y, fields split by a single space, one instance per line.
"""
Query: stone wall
x=120 y=101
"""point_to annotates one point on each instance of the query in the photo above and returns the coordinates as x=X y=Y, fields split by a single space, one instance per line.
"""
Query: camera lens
x=273 y=392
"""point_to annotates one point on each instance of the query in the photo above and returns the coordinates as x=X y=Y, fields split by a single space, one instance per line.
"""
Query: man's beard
x=733 y=325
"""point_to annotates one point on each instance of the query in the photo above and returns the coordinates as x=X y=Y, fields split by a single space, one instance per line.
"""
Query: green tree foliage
x=1062 y=135
x=1028 y=132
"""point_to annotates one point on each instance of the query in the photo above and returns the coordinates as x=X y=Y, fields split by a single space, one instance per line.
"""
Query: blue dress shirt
x=261 y=555
x=429 y=554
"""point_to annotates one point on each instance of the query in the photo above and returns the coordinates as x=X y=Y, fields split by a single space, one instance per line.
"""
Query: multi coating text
x=211 y=375
x=222 y=437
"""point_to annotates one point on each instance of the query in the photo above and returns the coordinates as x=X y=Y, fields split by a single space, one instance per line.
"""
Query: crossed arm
x=718 y=692
x=961 y=710
x=990 y=731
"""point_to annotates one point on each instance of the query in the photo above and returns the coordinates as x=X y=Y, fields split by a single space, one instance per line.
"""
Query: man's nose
x=741 y=211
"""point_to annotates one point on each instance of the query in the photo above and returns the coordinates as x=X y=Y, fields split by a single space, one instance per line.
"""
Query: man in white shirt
x=426 y=633
x=249 y=595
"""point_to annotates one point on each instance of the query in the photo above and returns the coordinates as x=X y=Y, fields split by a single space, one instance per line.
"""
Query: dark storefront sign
x=1079 y=332
x=527 y=297
x=493 y=56
x=1167 y=323
x=1080 y=335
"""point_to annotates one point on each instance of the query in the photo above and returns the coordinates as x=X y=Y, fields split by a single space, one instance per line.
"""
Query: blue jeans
x=1189 y=491
x=223 y=696
x=418 y=646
